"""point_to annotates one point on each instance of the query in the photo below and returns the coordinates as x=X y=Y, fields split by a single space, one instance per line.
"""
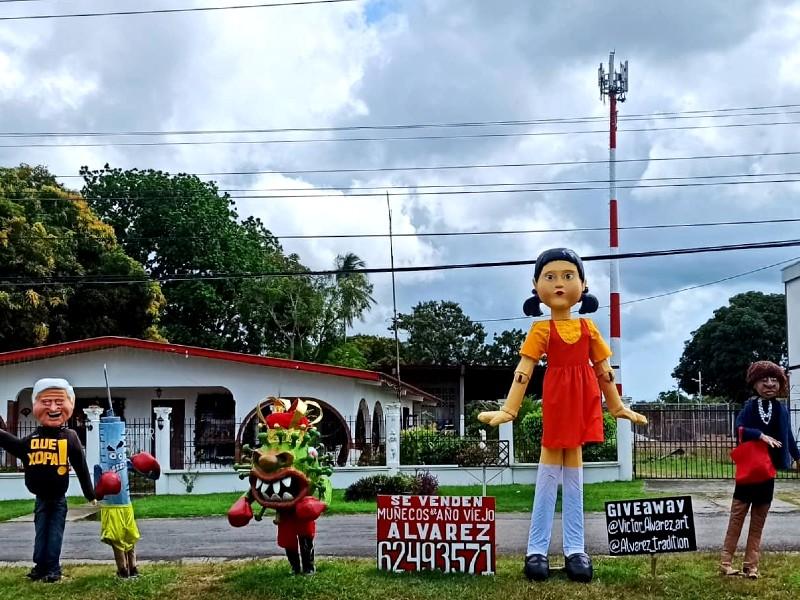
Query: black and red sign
x=454 y=534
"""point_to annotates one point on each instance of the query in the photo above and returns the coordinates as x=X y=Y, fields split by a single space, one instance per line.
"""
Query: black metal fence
x=8 y=462
x=689 y=442
x=213 y=444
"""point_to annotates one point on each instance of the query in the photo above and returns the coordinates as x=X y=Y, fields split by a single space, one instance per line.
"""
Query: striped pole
x=614 y=84
x=613 y=228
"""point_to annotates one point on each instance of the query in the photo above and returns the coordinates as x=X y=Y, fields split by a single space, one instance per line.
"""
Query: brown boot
x=738 y=513
x=752 y=551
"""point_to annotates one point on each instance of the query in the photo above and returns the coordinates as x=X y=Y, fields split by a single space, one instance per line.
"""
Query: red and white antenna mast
x=614 y=84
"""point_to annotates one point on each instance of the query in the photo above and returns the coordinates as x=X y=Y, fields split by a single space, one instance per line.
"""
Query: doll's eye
x=112 y=456
x=549 y=277
x=569 y=276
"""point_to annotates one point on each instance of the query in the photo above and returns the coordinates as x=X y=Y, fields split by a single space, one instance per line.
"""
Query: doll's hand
x=770 y=441
x=632 y=416
x=495 y=417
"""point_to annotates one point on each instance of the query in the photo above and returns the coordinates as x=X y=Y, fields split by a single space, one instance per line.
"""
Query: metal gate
x=690 y=442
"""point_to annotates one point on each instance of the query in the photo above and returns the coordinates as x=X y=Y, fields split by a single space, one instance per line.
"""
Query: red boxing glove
x=146 y=464
x=240 y=513
x=109 y=484
x=309 y=508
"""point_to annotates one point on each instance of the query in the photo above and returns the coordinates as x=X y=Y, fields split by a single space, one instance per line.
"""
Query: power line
x=467 y=192
x=161 y=11
x=345 y=190
x=392 y=127
x=670 y=293
x=106 y=280
x=462 y=136
x=412 y=189
x=432 y=234
x=280 y=171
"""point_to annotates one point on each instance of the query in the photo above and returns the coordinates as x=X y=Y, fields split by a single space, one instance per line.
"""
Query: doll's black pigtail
x=532 y=306
x=589 y=303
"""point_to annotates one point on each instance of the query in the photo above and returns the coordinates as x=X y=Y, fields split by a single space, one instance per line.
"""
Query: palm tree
x=354 y=288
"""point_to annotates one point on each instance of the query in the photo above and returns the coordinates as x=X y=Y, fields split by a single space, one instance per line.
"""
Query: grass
x=509 y=498
x=679 y=577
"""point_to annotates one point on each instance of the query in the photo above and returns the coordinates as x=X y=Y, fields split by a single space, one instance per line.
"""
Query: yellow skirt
x=118 y=527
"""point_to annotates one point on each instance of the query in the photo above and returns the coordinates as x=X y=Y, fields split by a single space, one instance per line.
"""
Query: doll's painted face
x=767 y=387
x=559 y=285
x=53 y=407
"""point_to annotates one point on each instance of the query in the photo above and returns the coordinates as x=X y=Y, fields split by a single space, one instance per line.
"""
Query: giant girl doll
x=577 y=371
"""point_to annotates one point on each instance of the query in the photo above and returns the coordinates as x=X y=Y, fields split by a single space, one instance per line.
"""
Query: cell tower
x=614 y=84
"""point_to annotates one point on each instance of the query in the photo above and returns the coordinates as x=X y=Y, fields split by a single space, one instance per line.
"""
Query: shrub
x=608 y=449
x=471 y=424
x=367 y=488
x=425 y=484
x=528 y=444
x=427 y=446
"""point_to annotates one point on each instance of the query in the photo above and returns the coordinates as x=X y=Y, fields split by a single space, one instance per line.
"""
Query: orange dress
x=571 y=403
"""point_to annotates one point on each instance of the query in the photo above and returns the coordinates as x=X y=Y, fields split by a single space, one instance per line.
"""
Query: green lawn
x=679 y=577
x=509 y=498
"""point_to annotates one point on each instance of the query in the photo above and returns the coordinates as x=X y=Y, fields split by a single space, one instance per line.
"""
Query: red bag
x=753 y=463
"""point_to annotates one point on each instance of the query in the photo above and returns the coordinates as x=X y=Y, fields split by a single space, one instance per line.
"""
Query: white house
x=208 y=396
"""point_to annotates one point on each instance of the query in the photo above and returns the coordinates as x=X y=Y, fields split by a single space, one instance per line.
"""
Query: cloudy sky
x=402 y=62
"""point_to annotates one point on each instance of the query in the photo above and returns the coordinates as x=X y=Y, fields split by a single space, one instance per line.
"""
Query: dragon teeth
x=286 y=482
x=287 y=496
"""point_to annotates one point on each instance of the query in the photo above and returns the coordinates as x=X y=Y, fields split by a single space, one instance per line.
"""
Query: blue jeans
x=49 y=519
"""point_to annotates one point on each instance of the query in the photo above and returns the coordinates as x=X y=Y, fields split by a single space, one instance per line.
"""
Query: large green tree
x=352 y=290
x=440 y=333
x=752 y=327
x=504 y=349
x=49 y=241
x=180 y=227
x=344 y=297
x=379 y=351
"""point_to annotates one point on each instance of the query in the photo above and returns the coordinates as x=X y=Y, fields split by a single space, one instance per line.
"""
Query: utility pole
x=699 y=381
x=394 y=299
x=614 y=84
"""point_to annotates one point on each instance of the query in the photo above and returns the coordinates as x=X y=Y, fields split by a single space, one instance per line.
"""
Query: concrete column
x=625 y=449
x=392 y=413
x=92 y=435
x=506 y=432
x=163 y=450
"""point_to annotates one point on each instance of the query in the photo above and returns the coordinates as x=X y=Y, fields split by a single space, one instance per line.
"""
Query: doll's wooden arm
x=510 y=409
x=605 y=377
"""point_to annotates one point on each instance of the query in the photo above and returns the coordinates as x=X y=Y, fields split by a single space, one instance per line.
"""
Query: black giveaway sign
x=650 y=526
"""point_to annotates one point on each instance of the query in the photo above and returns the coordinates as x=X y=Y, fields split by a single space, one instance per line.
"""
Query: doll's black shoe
x=35 y=574
x=579 y=567
x=537 y=567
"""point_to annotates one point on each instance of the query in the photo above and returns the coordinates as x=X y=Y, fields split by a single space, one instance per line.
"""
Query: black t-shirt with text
x=47 y=455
